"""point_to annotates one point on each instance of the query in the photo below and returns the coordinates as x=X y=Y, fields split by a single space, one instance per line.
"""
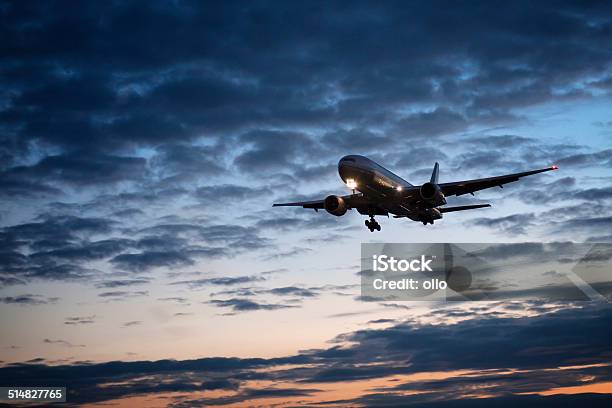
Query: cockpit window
x=348 y=159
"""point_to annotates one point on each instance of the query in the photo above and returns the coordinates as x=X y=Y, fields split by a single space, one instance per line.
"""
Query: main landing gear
x=372 y=224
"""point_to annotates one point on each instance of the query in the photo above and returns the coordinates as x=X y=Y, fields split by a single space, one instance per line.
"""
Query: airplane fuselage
x=369 y=177
x=373 y=180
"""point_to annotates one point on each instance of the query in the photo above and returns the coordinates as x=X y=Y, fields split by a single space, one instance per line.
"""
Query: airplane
x=382 y=192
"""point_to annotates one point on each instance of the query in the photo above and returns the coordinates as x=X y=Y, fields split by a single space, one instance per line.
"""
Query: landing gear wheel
x=372 y=224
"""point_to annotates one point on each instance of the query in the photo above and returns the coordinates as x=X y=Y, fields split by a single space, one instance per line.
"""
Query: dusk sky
x=142 y=145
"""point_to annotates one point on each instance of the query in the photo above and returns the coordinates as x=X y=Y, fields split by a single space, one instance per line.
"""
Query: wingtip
x=554 y=167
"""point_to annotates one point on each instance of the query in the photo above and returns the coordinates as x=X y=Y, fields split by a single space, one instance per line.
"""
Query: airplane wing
x=316 y=204
x=350 y=200
x=462 y=208
x=469 y=186
x=450 y=209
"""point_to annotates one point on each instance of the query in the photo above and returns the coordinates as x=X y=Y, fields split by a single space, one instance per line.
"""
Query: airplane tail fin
x=434 y=174
x=462 y=208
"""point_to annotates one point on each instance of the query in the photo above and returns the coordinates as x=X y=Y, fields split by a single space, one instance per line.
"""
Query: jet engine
x=429 y=215
x=335 y=205
x=431 y=193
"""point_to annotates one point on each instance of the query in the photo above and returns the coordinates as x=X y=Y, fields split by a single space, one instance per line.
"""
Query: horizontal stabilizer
x=462 y=207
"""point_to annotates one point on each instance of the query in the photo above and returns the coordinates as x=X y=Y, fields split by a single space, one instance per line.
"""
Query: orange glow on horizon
x=597 y=388
x=335 y=393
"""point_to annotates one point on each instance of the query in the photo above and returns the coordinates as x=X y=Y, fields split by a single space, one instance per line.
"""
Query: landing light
x=399 y=188
x=351 y=183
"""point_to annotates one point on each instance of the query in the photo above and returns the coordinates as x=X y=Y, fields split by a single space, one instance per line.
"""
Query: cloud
x=247 y=305
x=440 y=121
x=247 y=395
x=221 y=281
x=500 y=141
x=63 y=247
x=131 y=323
x=219 y=238
x=545 y=193
x=381 y=321
x=10 y=281
x=147 y=260
x=500 y=355
x=399 y=400
x=271 y=150
x=586 y=224
x=71 y=117
x=293 y=291
x=531 y=250
x=59 y=228
x=176 y=299
x=120 y=283
x=63 y=343
x=184 y=162
x=594 y=194
x=54 y=247
x=304 y=221
x=80 y=169
x=80 y=320
x=122 y=294
x=599 y=158
x=229 y=194
x=28 y=300
x=515 y=224
x=286 y=254
x=11 y=188
x=85 y=251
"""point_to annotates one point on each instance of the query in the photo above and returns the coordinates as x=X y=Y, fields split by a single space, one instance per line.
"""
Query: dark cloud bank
x=507 y=355
x=138 y=114
x=85 y=87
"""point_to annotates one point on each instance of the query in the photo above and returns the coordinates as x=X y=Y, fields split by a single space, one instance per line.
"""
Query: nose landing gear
x=372 y=224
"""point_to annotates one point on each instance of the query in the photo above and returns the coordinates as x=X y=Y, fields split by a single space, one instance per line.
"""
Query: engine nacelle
x=429 y=215
x=431 y=193
x=335 y=205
